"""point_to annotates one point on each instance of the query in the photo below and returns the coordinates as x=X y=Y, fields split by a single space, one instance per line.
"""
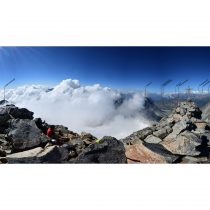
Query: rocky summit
x=181 y=137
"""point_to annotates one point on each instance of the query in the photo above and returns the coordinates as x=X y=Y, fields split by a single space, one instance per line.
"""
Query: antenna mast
x=205 y=85
x=6 y=86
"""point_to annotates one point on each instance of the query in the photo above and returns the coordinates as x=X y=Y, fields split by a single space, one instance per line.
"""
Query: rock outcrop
x=182 y=134
x=181 y=137
x=108 y=150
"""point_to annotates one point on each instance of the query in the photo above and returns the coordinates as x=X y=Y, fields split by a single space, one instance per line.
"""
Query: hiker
x=51 y=134
x=50 y=131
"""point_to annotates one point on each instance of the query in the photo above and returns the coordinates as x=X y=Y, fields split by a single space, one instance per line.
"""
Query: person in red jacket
x=50 y=131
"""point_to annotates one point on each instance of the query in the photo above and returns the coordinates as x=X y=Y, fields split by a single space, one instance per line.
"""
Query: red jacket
x=49 y=132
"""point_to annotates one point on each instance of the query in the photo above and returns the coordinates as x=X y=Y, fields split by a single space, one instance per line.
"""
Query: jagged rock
x=85 y=135
x=51 y=154
x=12 y=112
x=152 y=139
x=24 y=134
x=184 y=144
x=169 y=121
x=144 y=133
x=131 y=140
x=19 y=113
x=163 y=132
x=78 y=144
x=88 y=138
x=177 y=129
x=149 y=153
x=62 y=128
x=138 y=136
x=190 y=160
x=107 y=151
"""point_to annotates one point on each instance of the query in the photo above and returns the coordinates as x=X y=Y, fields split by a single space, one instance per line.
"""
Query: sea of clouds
x=95 y=109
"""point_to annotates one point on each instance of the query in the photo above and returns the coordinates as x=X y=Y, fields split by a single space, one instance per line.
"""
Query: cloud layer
x=95 y=109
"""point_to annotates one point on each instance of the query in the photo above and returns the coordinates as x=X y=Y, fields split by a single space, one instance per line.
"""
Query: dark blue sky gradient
x=117 y=67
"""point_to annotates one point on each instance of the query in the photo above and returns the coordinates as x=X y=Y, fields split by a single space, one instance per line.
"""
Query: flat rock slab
x=184 y=144
x=29 y=156
x=152 y=139
x=149 y=153
x=51 y=154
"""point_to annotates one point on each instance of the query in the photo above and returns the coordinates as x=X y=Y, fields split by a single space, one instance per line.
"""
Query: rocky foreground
x=182 y=137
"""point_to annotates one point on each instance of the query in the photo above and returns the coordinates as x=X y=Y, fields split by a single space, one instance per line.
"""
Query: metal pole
x=6 y=86
x=205 y=85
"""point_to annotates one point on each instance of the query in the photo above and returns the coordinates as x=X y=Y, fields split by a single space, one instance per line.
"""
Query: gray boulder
x=24 y=135
x=106 y=151
x=177 y=129
x=184 y=144
x=12 y=112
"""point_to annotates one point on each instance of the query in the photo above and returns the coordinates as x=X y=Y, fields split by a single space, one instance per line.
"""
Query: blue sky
x=116 y=67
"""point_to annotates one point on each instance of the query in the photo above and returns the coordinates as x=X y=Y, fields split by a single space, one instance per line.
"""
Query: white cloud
x=83 y=108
